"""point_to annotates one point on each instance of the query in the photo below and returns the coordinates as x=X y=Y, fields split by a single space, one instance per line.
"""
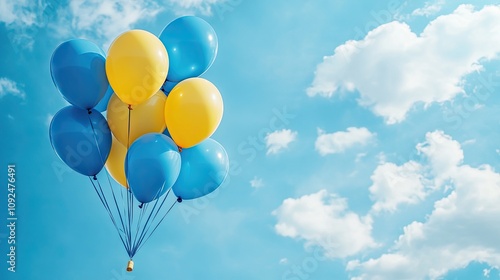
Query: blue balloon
x=204 y=168
x=81 y=138
x=103 y=104
x=152 y=165
x=191 y=44
x=78 y=71
x=167 y=133
x=168 y=86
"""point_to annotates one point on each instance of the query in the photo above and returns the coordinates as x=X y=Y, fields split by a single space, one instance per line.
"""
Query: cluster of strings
x=135 y=222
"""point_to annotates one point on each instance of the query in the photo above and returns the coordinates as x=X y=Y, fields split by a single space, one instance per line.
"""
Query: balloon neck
x=130 y=107
x=140 y=205
x=89 y=111
x=95 y=177
x=179 y=148
x=179 y=199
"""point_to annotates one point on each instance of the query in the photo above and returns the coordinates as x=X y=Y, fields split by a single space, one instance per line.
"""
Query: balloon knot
x=179 y=199
x=130 y=107
x=140 y=205
x=95 y=177
x=179 y=148
x=89 y=111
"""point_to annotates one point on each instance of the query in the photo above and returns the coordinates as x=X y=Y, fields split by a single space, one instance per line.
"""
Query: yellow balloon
x=145 y=118
x=115 y=164
x=136 y=66
x=193 y=111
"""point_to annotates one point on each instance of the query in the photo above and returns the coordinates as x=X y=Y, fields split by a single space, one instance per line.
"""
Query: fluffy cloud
x=443 y=153
x=17 y=12
x=430 y=8
x=279 y=140
x=100 y=21
x=256 y=182
x=394 y=185
x=113 y=17
x=338 y=142
x=22 y=19
x=10 y=87
x=457 y=232
x=393 y=68
x=323 y=219
x=201 y=6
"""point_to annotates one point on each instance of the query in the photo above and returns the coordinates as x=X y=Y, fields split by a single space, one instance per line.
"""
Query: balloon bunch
x=160 y=115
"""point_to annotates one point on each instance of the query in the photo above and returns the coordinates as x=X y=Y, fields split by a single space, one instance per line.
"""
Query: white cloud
x=10 y=87
x=256 y=182
x=279 y=140
x=394 y=185
x=203 y=7
x=323 y=219
x=111 y=18
x=102 y=21
x=468 y=142
x=459 y=230
x=283 y=261
x=359 y=157
x=17 y=12
x=486 y=272
x=340 y=141
x=443 y=153
x=23 y=19
x=393 y=68
x=430 y=8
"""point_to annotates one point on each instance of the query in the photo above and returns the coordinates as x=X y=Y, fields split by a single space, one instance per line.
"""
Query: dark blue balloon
x=152 y=165
x=168 y=86
x=191 y=45
x=167 y=133
x=103 y=104
x=80 y=139
x=78 y=71
x=204 y=168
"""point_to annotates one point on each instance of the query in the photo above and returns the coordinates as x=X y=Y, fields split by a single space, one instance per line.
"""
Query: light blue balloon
x=152 y=165
x=103 y=104
x=81 y=138
x=204 y=168
x=191 y=44
x=78 y=71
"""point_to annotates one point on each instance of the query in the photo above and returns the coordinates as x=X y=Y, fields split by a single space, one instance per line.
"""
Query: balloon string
x=130 y=198
x=106 y=206
x=168 y=211
x=147 y=224
x=110 y=186
x=118 y=210
x=141 y=215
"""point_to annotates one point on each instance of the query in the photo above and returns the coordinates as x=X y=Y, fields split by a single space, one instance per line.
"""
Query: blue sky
x=363 y=140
